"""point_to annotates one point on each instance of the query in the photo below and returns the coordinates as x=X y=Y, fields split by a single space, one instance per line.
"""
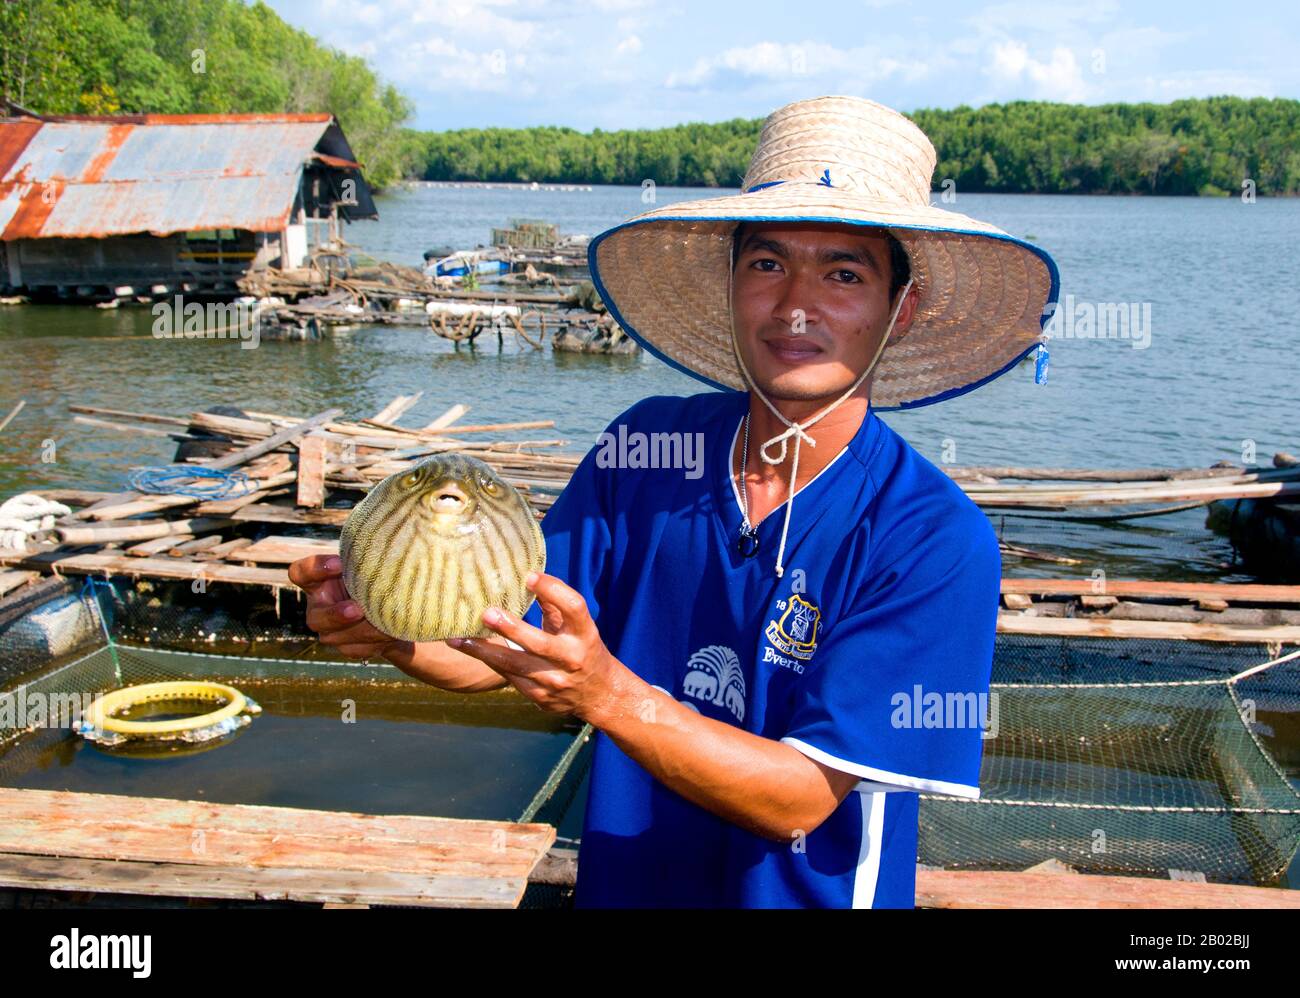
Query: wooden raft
x=56 y=840
x=981 y=889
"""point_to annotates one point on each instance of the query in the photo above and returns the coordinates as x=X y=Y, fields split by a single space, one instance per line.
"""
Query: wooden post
x=311 y=470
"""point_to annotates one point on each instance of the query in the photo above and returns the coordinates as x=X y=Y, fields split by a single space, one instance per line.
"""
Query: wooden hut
x=124 y=205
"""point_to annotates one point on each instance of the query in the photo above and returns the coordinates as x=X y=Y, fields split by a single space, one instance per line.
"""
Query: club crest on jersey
x=795 y=633
x=713 y=674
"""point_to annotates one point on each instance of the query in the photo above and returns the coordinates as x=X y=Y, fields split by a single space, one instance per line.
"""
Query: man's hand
x=565 y=667
x=338 y=619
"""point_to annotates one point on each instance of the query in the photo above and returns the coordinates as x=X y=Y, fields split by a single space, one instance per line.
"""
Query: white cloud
x=1058 y=78
x=841 y=70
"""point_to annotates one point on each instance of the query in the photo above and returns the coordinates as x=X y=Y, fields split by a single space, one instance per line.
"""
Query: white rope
x=796 y=429
x=1264 y=665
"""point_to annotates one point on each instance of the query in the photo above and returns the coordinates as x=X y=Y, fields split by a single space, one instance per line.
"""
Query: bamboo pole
x=142 y=531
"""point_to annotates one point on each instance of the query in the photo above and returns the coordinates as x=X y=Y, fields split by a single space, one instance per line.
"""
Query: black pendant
x=747 y=544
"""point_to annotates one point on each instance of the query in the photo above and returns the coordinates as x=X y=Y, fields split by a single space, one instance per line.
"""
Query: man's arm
x=758 y=783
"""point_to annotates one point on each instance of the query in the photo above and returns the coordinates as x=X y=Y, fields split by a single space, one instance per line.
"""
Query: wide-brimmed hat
x=984 y=294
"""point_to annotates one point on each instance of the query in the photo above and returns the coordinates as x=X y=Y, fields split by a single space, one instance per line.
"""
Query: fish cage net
x=1131 y=756
x=97 y=636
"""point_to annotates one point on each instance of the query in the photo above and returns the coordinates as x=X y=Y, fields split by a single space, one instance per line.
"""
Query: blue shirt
x=871 y=655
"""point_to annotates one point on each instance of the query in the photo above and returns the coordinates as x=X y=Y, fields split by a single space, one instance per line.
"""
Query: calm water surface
x=1219 y=374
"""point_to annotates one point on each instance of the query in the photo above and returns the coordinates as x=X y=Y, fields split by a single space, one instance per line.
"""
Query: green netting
x=1130 y=756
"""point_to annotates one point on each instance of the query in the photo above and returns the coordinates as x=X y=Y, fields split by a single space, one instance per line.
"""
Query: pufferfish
x=430 y=548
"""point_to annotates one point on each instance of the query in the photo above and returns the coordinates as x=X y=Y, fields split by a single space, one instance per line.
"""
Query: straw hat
x=665 y=274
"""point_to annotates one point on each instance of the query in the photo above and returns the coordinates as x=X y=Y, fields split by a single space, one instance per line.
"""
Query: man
x=771 y=691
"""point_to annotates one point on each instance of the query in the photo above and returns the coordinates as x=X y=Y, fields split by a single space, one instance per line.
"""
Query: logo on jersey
x=713 y=674
x=795 y=633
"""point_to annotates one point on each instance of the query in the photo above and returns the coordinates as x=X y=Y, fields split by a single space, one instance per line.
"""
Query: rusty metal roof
x=90 y=177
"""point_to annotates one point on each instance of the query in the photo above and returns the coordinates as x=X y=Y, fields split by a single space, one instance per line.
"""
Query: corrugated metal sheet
x=152 y=173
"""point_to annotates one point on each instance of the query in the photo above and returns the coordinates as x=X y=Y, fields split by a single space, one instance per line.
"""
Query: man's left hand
x=565 y=667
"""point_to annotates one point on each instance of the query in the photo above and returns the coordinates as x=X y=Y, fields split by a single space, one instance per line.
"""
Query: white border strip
x=878 y=780
x=868 y=870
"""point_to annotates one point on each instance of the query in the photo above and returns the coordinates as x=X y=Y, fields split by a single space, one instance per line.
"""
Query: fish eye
x=489 y=486
x=410 y=479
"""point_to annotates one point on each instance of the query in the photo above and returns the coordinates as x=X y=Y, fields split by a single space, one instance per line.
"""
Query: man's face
x=828 y=279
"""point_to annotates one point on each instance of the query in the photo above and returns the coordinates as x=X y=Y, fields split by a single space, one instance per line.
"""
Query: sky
x=614 y=64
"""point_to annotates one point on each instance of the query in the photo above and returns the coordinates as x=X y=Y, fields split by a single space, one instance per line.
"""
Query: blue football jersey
x=872 y=654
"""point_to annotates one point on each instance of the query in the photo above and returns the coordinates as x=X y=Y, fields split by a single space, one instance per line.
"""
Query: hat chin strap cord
x=796 y=429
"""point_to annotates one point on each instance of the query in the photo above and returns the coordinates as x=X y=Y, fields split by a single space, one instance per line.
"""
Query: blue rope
x=172 y=480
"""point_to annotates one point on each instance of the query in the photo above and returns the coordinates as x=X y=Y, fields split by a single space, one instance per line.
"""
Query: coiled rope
x=192 y=480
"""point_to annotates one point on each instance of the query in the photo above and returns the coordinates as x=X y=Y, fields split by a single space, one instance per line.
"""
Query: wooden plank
x=1155 y=590
x=226 y=547
x=1230 y=476
x=211 y=542
x=1088 y=474
x=140 y=530
x=395 y=409
x=1131 y=496
x=166 y=568
x=447 y=418
x=265 y=884
x=982 y=889
x=127 y=504
x=147 y=549
x=314 y=847
x=108 y=424
x=139 y=417
x=278 y=550
x=11 y=580
x=12 y=413
x=311 y=471
x=269 y=513
x=1105 y=627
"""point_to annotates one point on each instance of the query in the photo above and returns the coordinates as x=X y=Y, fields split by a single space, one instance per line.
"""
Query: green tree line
x=225 y=56
x=1200 y=146
x=194 y=57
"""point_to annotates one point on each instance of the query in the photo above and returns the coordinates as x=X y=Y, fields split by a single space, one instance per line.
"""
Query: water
x=1218 y=377
x=410 y=749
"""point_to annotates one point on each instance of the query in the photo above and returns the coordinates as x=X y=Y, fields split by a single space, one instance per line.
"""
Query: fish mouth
x=447 y=497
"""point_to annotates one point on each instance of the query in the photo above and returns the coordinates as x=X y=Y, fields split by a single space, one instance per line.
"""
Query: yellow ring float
x=99 y=714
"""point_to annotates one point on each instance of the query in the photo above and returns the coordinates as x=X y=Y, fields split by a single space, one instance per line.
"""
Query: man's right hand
x=337 y=618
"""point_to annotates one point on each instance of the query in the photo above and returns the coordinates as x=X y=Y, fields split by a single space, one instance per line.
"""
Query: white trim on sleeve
x=877 y=780
x=869 y=850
